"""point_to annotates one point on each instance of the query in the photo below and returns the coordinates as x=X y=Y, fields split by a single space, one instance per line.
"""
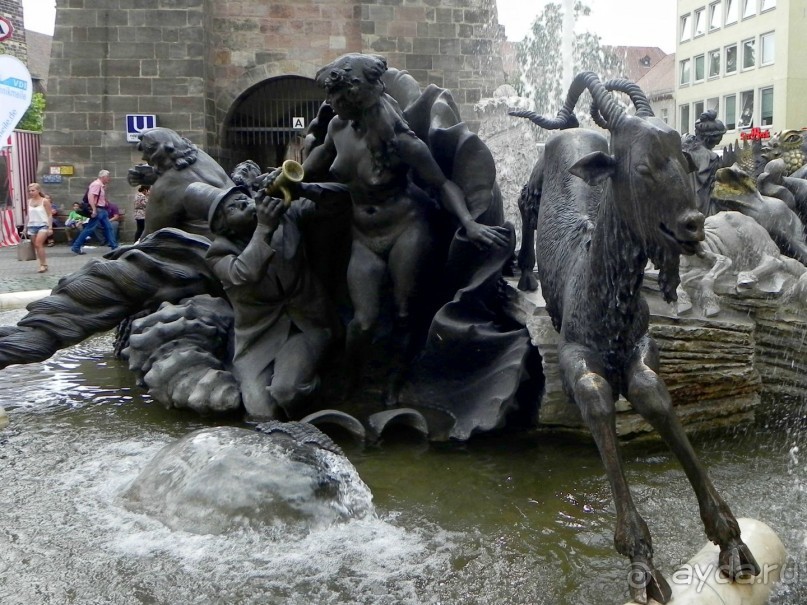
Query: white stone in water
x=699 y=582
x=226 y=478
x=3 y=418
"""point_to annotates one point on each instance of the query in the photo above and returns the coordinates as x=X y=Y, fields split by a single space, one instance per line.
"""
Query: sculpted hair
x=355 y=73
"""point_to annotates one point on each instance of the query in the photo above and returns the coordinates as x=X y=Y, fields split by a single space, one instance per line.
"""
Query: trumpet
x=291 y=173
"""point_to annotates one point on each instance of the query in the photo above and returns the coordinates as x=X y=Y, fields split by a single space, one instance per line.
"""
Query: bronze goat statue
x=601 y=215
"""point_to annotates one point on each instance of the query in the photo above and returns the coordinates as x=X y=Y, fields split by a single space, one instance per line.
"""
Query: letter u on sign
x=137 y=123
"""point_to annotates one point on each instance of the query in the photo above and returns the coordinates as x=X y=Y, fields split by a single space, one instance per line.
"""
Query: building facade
x=236 y=78
x=745 y=59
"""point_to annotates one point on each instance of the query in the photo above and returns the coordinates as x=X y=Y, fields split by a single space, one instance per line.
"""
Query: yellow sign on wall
x=63 y=170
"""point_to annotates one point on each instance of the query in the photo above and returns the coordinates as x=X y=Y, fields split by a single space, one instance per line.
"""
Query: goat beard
x=668 y=265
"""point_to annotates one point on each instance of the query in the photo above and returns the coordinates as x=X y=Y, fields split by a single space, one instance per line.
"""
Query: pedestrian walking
x=96 y=195
x=39 y=222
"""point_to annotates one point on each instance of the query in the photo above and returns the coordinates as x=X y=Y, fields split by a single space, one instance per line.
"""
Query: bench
x=66 y=235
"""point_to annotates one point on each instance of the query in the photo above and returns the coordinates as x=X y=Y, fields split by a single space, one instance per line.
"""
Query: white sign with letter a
x=16 y=91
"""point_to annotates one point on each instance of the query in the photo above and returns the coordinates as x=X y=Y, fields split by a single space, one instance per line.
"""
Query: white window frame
x=763 y=58
x=732 y=14
x=752 y=43
x=761 y=108
x=685 y=27
x=684 y=128
x=732 y=123
x=715 y=13
x=685 y=66
x=709 y=55
x=743 y=96
x=699 y=23
x=702 y=59
x=767 y=5
x=726 y=59
x=749 y=9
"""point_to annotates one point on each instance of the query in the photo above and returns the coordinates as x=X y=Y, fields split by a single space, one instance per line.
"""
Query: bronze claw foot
x=647 y=583
x=737 y=562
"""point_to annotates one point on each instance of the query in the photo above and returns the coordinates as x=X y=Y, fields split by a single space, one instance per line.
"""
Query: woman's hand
x=485 y=237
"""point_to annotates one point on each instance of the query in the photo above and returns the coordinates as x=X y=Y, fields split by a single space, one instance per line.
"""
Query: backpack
x=86 y=208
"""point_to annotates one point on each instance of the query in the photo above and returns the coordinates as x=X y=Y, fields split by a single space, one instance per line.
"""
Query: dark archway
x=261 y=126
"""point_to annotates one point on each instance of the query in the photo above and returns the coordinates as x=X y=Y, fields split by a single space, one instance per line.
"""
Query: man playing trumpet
x=284 y=320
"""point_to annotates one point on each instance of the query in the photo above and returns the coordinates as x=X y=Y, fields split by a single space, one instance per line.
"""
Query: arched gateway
x=267 y=123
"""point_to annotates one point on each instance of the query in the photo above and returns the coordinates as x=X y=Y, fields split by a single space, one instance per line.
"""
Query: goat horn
x=557 y=123
x=636 y=94
x=603 y=101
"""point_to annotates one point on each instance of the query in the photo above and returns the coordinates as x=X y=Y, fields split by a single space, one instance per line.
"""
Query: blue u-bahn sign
x=137 y=123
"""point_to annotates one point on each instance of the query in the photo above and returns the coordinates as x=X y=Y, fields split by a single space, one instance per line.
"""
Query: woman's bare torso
x=383 y=205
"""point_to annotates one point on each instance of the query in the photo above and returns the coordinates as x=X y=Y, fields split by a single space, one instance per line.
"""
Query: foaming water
x=518 y=519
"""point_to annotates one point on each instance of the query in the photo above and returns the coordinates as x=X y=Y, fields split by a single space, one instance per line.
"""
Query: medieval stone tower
x=233 y=77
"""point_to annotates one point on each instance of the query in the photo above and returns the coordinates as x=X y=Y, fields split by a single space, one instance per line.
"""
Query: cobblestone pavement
x=22 y=276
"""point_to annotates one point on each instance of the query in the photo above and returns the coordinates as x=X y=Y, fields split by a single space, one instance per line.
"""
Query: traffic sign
x=6 y=29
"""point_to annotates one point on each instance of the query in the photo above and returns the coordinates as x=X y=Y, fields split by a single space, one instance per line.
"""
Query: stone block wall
x=111 y=58
x=452 y=43
x=711 y=368
x=15 y=45
x=189 y=61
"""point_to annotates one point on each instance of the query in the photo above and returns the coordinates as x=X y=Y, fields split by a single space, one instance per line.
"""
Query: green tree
x=34 y=117
x=541 y=64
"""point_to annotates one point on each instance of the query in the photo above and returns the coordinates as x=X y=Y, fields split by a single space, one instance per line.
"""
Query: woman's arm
x=48 y=212
x=318 y=163
x=417 y=155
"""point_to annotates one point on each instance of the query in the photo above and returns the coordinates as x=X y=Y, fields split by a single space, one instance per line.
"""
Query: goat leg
x=649 y=396
x=583 y=378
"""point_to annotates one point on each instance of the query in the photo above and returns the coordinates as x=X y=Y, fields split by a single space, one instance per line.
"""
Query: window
x=700 y=68
x=749 y=53
x=731 y=59
x=697 y=109
x=767 y=5
x=767 y=48
x=684 y=113
x=713 y=103
x=749 y=8
x=665 y=115
x=714 y=63
x=686 y=28
x=685 y=72
x=731 y=12
x=700 y=22
x=714 y=16
x=747 y=111
x=730 y=102
x=766 y=106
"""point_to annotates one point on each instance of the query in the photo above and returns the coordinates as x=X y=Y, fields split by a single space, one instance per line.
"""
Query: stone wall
x=711 y=367
x=111 y=58
x=189 y=61
x=15 y=45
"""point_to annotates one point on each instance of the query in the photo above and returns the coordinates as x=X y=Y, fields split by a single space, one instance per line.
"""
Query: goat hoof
x=737 y=562
x=647 y=583
x=528 y=282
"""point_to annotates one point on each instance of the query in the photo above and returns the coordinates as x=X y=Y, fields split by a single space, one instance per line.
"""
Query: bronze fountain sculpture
x=413 y=244
x=596 y=230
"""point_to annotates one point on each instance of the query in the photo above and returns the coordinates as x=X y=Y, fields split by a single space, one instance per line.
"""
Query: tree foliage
x=34 y=117
x=539 y=58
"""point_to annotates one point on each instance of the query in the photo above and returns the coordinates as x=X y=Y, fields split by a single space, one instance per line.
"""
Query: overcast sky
x=617 y=22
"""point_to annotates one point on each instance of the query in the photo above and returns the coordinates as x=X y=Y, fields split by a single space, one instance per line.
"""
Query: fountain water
x=505 y=519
